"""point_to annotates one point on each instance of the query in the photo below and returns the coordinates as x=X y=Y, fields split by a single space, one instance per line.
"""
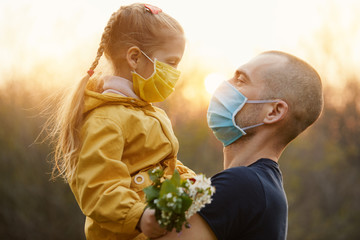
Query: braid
x=105 y=38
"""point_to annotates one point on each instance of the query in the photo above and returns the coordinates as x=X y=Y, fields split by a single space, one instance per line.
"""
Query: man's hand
x=149 y=226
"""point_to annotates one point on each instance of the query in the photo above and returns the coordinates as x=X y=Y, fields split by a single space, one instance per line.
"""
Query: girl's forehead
x=171 y=36
x=172 y=45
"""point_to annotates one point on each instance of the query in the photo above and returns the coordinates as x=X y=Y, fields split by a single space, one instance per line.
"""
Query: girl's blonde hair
x=133 y=25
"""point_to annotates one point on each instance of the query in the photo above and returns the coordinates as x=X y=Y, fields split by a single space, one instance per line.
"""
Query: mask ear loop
x=147 y=56
x=240 y=107
x=134 y=72
x=252 y=126
x=262 y=101
x=234 y=114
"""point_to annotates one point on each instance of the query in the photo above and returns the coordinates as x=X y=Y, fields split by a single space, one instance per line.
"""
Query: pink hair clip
x=90 y=72
x=152 y=9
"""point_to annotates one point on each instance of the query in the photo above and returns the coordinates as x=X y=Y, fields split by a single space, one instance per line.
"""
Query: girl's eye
x=172 y=63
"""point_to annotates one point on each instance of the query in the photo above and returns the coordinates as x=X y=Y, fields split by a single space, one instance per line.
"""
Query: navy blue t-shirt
x=248 y=203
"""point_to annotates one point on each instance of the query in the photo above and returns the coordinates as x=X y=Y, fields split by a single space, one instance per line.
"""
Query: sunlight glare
x=212 y=81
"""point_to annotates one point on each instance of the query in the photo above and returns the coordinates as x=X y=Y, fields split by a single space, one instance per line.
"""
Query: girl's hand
x=149 y=226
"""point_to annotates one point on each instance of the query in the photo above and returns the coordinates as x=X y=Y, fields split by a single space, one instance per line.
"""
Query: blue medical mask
x=225 y=103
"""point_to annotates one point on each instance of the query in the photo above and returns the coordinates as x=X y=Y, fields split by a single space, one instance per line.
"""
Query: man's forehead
x=262 y=62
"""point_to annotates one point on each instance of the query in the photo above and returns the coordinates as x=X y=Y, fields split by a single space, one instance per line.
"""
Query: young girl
x=108 y=135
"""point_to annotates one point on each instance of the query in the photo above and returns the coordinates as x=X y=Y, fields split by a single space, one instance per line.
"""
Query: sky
x=62 y=36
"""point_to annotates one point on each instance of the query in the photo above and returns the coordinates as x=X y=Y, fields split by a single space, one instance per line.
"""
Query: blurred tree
x=321 y=172
x=31 y=207
x=322 y=167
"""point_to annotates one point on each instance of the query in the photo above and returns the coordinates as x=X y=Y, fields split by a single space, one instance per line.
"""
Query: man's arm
x=199 y=230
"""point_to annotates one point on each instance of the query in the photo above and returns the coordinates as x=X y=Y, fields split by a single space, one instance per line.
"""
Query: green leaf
x=175 y=179
x=167 y=187
x=186 y=202
x=151 y=193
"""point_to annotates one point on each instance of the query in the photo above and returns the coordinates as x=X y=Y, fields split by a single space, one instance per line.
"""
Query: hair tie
x=152 y=9
x=90 y=72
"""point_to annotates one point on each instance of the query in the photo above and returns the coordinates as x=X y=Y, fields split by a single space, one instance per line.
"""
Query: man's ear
x=133 y=55
x=276 y=112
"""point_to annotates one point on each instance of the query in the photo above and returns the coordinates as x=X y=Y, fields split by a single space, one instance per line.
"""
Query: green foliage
x=169 y=199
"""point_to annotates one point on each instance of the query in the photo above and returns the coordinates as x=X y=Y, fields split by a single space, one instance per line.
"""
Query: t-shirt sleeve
x=237 y=199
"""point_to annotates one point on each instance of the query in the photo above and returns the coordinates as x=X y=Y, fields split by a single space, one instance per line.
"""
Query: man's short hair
x=299 y=85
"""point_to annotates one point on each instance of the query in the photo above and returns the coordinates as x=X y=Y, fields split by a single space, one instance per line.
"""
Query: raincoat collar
x=94 y=99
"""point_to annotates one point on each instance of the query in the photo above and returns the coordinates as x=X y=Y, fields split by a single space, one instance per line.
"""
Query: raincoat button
x=139 y=179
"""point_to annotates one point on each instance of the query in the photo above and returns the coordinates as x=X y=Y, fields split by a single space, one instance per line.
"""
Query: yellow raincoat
x=122 y=138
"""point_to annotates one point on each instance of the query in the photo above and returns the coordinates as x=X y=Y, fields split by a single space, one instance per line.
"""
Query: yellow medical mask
x=159 y=85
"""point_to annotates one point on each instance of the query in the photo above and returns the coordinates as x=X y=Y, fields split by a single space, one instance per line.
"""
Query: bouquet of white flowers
x=176 y=200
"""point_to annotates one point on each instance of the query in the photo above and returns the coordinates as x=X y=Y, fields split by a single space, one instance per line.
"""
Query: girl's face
x=170 y=53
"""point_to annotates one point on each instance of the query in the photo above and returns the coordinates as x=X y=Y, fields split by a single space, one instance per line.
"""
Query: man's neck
x=244 y=151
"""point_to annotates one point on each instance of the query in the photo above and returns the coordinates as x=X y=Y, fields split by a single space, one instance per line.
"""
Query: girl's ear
x=132 y=57
x=276 y=112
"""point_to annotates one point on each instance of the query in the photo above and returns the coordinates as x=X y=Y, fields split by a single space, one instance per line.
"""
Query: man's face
x=248 y=79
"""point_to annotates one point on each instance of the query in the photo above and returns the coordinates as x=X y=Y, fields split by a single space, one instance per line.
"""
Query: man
x=269 y=101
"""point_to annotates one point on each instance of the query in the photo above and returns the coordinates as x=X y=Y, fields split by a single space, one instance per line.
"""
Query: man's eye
x=241 y=78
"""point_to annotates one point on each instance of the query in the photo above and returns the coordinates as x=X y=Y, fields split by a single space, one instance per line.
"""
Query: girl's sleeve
x=185 y=172
x=102 y=181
